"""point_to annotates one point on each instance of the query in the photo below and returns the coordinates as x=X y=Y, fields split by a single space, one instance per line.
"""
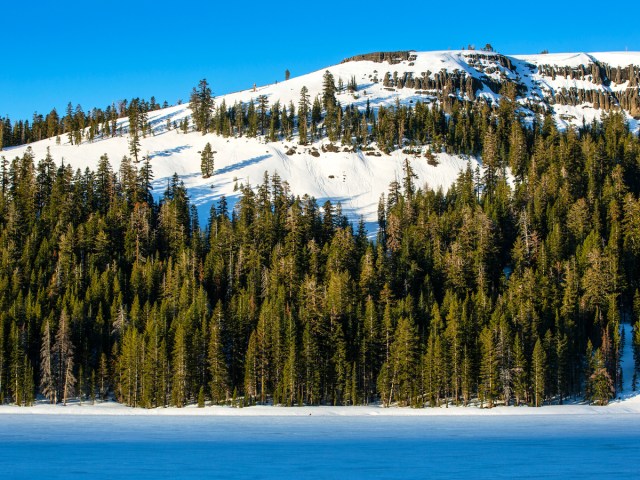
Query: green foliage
x=206 y=161
x=600 y=385
x=104 y=291
x=201 y=104
x=538 y=370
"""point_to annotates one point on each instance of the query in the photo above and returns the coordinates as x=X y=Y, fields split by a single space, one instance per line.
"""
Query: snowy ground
x=113 y=441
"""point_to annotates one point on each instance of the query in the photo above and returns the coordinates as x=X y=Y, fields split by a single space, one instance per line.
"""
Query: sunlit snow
x=356 y=179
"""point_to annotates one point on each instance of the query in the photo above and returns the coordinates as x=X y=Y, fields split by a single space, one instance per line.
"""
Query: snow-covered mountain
x=575 y=87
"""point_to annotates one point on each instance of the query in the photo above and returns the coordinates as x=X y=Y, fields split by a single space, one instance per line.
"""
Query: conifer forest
x=506 y=289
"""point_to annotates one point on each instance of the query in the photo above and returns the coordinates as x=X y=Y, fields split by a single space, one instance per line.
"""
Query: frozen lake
x=497 y=446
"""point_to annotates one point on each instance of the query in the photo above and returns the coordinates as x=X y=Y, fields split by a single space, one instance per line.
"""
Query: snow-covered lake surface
x=496 y=446
x=111 y=441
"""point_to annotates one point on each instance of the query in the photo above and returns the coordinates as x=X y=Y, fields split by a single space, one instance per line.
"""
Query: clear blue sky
x=93 y=53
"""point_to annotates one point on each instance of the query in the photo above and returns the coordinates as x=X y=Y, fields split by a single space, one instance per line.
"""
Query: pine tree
x=135 y=121
x=206 y=161
x=201 y=397
x=490 y=161
x=290 y=377
x=488 y=387
x=63 y=354
x=636 y=352
x=316 y=116
x=401 y=367
x=331 y=107
x=562 y=364
x=201 y=104
x=250 y=368
x=519 y=372
x=218 y=383
x=48 y=386
x=145 y=180
x=70 y=123
x=134 y=146
x=16 y=373
x=179 y=392
x=130 y=368
x=303 y=114
x=2 y=357
x=263 y=110
x=103 y=376
x=600 y=383
x=538 y=373
x=252 y=120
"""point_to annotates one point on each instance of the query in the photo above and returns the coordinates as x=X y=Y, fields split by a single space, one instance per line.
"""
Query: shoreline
x=626 y=406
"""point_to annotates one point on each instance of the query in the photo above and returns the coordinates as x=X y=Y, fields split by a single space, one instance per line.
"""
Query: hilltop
x=575 y=88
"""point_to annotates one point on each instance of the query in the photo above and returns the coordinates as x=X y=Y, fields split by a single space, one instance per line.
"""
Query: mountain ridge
x=574 y=88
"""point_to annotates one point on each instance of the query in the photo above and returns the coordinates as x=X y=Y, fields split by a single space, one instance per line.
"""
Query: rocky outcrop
x=596 y=72
x=379 y=57
x=495 y=70
x=606 y=87
x=608 y=97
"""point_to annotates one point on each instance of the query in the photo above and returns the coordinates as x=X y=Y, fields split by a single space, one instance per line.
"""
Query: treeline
x=493 y=291
x=453 y=125
x=450 y=124
x=76 y=124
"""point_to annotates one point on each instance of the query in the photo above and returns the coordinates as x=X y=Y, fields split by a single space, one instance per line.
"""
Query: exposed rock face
x=599 y=84
x=379 y=57
x=603 y=75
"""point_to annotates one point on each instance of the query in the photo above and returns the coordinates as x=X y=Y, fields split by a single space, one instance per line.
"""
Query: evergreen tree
x=488 y=387
x=201 y=104
x=601 y=387
x=218 y=386
x=179 y=386
x=398 y=374
x=538 y=372
x=48 y=385
x=519 y=372
x=262 y=111
x=303 y=114
x=63 y=357
x=206 y=161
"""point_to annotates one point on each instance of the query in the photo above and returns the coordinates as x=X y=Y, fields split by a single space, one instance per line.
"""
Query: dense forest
x=509 y=288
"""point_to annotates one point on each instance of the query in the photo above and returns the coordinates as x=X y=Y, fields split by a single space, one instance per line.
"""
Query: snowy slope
x=354 y=179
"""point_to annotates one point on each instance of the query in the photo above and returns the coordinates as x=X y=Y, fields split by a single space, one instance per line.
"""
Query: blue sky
x=93 y=53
